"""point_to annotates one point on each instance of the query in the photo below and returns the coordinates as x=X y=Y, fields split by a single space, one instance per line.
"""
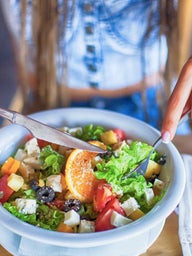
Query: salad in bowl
x=76 y=191
x=62 y=201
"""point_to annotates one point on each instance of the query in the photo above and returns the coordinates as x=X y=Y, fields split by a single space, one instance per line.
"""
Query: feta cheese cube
x=130 y=205
x=54 y=181
x=149 y=194
x=26 y=171
x=26 y=206
x=74 y=130
x=86 y=226
x=32 y=147
x=72 y=218
x=33 y=162
x=118 y=220
x=20 y=154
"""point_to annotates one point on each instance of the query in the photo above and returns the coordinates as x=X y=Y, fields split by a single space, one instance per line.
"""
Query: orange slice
x=79 y=173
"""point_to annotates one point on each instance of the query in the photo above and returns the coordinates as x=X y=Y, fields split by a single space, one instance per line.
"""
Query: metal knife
x=47 y=133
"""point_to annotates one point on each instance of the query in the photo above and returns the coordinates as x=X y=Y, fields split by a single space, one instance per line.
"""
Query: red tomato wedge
x=102 y=196
x=42 y=143
x=120 y=134
x=103 y=220
x=5 y=189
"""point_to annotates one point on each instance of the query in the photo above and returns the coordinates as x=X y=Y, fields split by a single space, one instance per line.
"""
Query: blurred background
x=8 y=74
x=8 y=77
x=8 y=86
x=7 y=67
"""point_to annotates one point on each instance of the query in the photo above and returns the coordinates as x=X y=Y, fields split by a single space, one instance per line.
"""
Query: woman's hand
x=179 y=103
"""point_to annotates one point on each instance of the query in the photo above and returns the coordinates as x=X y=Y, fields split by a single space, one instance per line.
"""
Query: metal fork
x=142 y=167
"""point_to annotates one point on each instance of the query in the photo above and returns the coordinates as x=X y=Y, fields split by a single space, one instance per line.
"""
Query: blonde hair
x=46 y=36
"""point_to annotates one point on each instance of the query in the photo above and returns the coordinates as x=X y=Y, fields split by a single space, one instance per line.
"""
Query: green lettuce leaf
x=114 y=168
x=51 y=161
x=45 y=217
x=29 y=193
x=90 y=132
x=11 y=207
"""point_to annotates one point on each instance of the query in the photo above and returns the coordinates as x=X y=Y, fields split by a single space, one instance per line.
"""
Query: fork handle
x=156 y=143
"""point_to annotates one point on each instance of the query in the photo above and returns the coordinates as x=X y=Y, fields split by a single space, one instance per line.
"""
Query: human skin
x=180 y=102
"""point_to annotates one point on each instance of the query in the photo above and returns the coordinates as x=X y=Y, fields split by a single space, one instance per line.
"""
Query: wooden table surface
x=167 y=243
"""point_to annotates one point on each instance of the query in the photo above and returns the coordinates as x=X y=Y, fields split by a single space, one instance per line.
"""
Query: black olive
x=34 y=184
x=45 y=194
x=107 y=154
x=162 y=160
x=72 y=204
x=152 y=179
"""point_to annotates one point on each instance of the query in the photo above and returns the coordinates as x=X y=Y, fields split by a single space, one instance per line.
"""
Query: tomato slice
x=103 y=220
x=42 y=143
x=120 y=134
x=102 y=196
x=5 y=189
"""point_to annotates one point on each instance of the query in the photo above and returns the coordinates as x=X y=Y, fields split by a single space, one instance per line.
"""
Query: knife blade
x=47 y=133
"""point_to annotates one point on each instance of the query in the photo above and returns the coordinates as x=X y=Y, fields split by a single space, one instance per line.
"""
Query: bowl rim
x=158 y=214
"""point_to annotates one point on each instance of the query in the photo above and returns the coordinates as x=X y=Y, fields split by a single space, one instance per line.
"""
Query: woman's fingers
x=180 y=101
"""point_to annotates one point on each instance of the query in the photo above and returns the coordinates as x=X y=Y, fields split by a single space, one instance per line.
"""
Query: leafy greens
x=114 y=168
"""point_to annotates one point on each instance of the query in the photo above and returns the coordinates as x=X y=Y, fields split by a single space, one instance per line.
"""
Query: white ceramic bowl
x=133 y=239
